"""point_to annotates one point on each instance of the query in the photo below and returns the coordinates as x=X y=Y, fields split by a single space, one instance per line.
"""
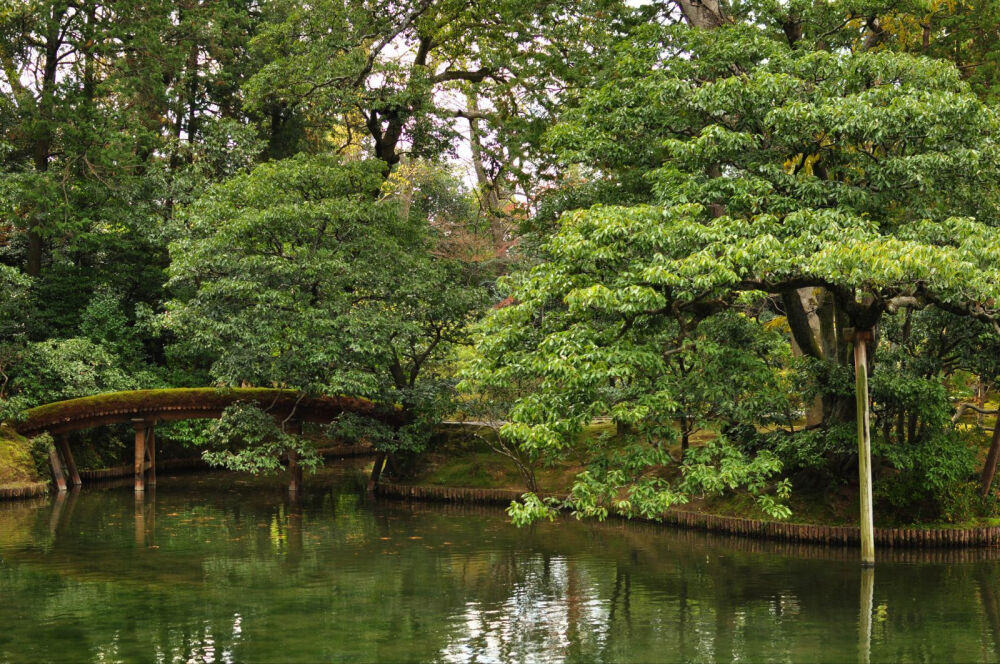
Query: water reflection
x=867 y=600
x=218 y=568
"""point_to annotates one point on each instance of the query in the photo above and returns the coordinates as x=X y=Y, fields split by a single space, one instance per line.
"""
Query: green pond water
x=222 y=568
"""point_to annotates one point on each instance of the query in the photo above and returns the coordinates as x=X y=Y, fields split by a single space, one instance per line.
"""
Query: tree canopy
x=675 y=216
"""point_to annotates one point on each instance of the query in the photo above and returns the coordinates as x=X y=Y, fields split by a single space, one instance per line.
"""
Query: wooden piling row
x=32 y=490
x=118 y=472
x=197 y=463
x=890 y=538
x=448 y=494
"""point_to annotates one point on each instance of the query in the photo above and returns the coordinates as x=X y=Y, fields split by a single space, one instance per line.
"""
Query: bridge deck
x=189 y=403
x=144 y=408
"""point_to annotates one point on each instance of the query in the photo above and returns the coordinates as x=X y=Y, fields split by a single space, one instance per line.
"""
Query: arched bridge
x=144 y=408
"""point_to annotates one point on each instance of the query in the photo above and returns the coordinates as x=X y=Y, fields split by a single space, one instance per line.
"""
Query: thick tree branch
x=463 y=75
x=963 y=408
x=798 y=321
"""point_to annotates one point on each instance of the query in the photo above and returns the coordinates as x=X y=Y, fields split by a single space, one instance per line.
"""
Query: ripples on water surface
x=218 y=568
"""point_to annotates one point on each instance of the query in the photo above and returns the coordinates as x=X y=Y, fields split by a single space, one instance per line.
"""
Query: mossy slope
x=16 y=465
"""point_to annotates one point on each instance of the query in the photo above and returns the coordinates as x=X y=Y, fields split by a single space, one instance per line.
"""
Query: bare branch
x=963 y=408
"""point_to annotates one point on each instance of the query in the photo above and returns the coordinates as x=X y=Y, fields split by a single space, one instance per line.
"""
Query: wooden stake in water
x=867 y=522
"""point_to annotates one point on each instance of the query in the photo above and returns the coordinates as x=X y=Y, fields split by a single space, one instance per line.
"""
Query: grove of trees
x=673 y=215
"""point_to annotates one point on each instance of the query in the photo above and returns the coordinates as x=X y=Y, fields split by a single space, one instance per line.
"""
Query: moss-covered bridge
x=144 y=408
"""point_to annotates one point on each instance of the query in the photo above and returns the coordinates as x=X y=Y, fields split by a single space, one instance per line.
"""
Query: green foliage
x=13 y=302
x=302 y=274
x=866 y=175
x=818 y=451
x=354 y=428
x=589 y=338
x=66 y=368
x=18 y=463
x=531 y=508
x=38 y=448
x=188 y=434
x=931 y=479
x=246 y=438
x=698 y=198
x=14 y=297
x=339 y=62
x=718 y=466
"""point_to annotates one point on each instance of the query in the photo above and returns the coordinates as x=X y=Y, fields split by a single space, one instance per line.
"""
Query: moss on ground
x=17 y=467
x=462 y=459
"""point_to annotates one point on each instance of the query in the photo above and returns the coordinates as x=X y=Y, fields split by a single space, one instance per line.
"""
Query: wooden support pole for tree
x=57 y=468
x=67 y=454
x=140 y=454
x=867 y=521
x=151 y=454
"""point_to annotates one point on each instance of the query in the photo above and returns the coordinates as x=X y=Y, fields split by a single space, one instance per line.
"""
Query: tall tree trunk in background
x=489 y=193
x=42 y=151
x=990 y=468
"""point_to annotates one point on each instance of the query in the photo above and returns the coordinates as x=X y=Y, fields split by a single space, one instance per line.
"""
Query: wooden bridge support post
x=67 y=454
x=57 y=468
x=141 y=429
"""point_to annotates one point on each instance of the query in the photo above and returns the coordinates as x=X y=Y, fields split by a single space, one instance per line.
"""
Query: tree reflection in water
x=217 y=568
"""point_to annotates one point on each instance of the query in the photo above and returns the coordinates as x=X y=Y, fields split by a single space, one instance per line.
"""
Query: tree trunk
x=817 y=328
x=706 y=14
x=489 y=196
x=990 y=468
x=43 y=135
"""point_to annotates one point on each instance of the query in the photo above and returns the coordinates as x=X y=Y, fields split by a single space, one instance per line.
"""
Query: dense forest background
x=674 y=215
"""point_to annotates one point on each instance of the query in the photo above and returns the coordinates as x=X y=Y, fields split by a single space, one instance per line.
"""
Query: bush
x=39 y=449
x=59 y=369
x=927 y=480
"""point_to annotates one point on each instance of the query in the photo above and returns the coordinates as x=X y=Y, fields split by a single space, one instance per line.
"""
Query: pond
x=222 y=568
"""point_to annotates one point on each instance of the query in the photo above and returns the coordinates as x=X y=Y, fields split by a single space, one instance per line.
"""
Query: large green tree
x=303 y=274
x=841 y=187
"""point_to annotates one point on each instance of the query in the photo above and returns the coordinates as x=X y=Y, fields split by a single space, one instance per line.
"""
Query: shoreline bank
x=845 y=536
x=838 y=536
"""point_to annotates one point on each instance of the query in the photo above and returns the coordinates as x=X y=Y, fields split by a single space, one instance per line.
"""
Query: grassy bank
x=465 y=460
x=17 y=467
